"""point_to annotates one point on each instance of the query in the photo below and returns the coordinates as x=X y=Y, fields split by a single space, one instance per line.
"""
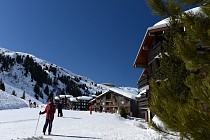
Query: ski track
x=18 y=121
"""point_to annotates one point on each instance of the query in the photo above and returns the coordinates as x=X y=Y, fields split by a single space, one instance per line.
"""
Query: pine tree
x=41 y=95
x=13 y=93
x=46 y=90
x=36 y=89
x=23 y=96
x=2 y=86
x=182 y=101
x=51 y=96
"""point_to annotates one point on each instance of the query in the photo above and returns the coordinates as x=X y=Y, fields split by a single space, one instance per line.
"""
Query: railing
x=143 y=104
x=143 y=82
x=108 y=100
x=154 y=52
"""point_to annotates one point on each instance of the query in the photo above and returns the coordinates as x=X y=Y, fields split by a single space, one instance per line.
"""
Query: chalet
x=114 y=98
x=147 y=56
x=83 y=103
x=74 y=103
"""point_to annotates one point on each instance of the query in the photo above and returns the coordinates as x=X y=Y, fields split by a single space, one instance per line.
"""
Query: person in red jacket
x=50 y=111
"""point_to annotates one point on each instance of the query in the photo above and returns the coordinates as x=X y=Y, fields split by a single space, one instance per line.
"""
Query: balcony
x=143 y=104
x=143 y=82
x=154 y=52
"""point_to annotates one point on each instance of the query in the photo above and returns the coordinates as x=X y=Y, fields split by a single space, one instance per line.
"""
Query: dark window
x=108 y=96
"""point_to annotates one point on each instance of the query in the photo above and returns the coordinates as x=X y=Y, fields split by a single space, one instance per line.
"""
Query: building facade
x=147 y=57
x=113 y=99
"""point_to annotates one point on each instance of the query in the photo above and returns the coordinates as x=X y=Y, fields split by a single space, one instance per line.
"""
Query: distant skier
x=30 y=103
x=50 y=111
x=60 y=107
x=91 y=109
x=100 y=109
x=34 y=104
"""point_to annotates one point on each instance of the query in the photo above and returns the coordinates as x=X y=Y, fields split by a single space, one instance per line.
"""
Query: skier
x=30 y=103
x=34 y=104
x=91 y=109
x=59 y=107
x=49 y=110
x=100 y=108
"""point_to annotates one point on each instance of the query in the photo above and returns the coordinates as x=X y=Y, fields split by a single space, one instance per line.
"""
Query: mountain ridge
x=41 y=79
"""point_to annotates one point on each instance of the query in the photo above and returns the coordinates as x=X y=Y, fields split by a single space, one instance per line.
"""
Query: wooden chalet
x=114 y=98
x=74 y=103
x=146 y=58
x=83 y=103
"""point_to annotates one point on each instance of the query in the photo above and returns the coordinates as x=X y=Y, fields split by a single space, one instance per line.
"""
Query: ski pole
x=37 y=124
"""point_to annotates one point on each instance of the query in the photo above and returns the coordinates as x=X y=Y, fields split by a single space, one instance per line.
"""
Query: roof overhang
x=141 y=60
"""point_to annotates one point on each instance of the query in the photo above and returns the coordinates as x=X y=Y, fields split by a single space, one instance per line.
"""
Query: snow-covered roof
x=165 y=21
x=56 y=98
x=72 y=99
x=94 y=95
x=62 y=96
x=69 y=96
x=122 y=92
x=159 y=26
x=84 y=98
x=65 y=96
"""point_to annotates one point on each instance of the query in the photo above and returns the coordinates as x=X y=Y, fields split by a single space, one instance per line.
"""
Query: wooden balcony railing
x=143 y=82
x=154 y=52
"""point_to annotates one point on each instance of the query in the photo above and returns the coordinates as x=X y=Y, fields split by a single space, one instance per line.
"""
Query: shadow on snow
x=78 y=137
x=72 y=117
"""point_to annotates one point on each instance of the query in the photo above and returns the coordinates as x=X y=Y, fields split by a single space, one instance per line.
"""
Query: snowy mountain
x=26 y=75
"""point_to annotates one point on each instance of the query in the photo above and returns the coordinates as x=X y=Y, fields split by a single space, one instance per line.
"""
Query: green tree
x=13 y=93
x=41 y=95
x=2 y=86
x=23 y=96
x=181 y=99
x=36 y=88
x=46 y=90
x=51 y=96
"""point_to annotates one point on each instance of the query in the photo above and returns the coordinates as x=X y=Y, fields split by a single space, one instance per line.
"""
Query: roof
x=72 y=99
x=65 y=96
x=84 y=98
x=141 y=60
x=56 y=98
x=124 y=93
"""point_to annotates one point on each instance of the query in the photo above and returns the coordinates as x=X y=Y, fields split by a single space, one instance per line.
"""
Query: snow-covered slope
x=10 y=102
x=22 y=72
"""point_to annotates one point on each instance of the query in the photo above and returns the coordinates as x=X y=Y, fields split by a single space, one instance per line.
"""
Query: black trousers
x=48 y=122
x=60 y=113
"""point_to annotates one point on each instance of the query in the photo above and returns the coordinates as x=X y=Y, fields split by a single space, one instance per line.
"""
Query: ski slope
x=74 y=125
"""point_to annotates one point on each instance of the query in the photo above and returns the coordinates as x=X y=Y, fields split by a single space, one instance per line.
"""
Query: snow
x=84 y=98
x=125 y=93
x=16 y=79
x=21 y=124
x=73 y=99
x=165 y=21
x=10 y=102
x=65 y=96
x=18 y=121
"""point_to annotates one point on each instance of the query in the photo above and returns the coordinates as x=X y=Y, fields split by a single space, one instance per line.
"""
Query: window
x=108 y=96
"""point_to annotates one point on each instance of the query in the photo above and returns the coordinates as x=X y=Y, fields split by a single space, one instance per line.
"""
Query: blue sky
x=98 y=39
